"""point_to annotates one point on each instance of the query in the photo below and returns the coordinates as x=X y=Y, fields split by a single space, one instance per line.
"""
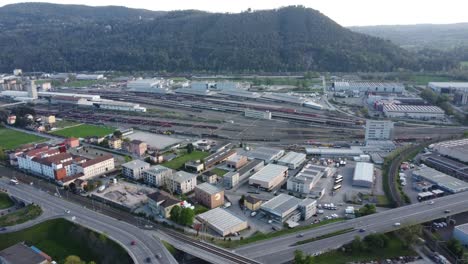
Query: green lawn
x=65 y=123
x=395 y=248
x=11 y=139
x=20 y=216
x=5 y=201
x=179 y=162
x=170 y=248
x=258 y=236
x=59 y=238
x=382 y=201
x=84 y=130
x=219 y=172
x=200 y=209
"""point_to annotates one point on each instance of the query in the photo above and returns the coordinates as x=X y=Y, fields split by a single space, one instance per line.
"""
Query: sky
x=345 y=12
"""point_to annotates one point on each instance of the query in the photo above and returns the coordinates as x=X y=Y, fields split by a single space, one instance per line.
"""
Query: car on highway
x=158 y=256
x=67 y=211
x=397 y=224
x=431 y=202
x=148 y=260
x=300 y=235
x=133 y=243
x=447 y=211
x=362 y=230
x=3 y=229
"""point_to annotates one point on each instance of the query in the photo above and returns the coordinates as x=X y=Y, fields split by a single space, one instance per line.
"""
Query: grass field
x=59 y=238
x=179 y=162
x=395 y=248
x=219 y=172
x=65 y=123
x=21 y=215
x=84 y=130
x=5 y=201
x=258 y=236
x=11 y=139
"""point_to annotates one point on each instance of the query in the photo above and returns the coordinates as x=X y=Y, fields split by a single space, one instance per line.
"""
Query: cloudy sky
x=345 y=12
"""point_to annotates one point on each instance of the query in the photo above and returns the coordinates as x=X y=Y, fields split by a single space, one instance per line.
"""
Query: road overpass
x=281 y=249
x=121 y=232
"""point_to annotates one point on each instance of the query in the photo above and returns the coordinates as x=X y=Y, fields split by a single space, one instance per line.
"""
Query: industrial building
x=257 y=114
x=156 y=175
x=455 y=149
x=270 y=177
x=283 y=98
x=313 y=105
x=181 y=182
x=460 y=233
x=378 y=130
x=451 y=167
x=457 y=90
x=266 y=154
x=89 y=76
x=209 y=195
x=369 y=87
x=219 y=157
x=335 y=152
x=424 y=112
x=236 y=162
x=441 y=180
x=307 y=178
x=284 y=208
x=149 y=86
x=292 y=160
x=134 y=169
x=231 y=179
x=363 y=175
x=222 y=221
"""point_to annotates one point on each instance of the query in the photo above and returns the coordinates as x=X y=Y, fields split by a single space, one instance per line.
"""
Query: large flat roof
x=182 y=176
x=425 y=109
x=208 y=188
x=269 y=172
x=221 y=219
x=136 y=164
x=281 y=204
x=292 y=157
x=443 y=180
x=363 y=172
x=264 y=153
x=463 y=228
x=335 y=151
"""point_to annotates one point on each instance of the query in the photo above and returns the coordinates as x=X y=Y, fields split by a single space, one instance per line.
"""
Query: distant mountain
x=49 y=37
x=421 y=36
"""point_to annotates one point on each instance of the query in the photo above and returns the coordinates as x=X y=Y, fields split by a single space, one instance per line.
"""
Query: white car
x=397 y=224
x=431 y=202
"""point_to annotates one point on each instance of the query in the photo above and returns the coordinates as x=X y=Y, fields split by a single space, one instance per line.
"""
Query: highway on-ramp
x=281 y=249
x=146 y=246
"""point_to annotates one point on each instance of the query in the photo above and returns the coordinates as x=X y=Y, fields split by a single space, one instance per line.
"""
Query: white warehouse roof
x=281 y=205
x=269 y=172
x=222 y=220
x=457 y=149
x=293 y=158
x=444 y=181
x=363 y=174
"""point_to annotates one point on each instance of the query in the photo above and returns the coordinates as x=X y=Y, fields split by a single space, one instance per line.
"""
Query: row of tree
x=182 y=216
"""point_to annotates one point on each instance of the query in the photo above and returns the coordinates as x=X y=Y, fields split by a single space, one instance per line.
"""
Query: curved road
x=121 y=232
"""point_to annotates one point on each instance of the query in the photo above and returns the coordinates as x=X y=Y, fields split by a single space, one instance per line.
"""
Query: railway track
x=209 y=248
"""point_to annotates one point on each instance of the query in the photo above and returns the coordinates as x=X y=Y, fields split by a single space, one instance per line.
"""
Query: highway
x=281 y=249
x=121 y=232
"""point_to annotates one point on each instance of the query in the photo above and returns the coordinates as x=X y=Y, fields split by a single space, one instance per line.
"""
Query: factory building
x=89 y=76
x=257 y=114
x=156 y=175
x=292 y=160
x=378 y=130
x=424 y=112
x=283 y=98
x=231 y=179
x=369 y=87
x=219 y=157
x=284 y=208
x=236 y=162
x=441 y=180
x=457 y=90
x=363 y=175
x=266 y=154
x=451 y=167
x=455 y=149
x=149 y=86
x=270 y=177
x=222 y=221
x=209 y=195
x=307 y=178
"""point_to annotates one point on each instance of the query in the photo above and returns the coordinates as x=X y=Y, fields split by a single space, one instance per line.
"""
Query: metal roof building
x=413 y=111
x=292 y=159
x=271 y=176
x=281 y=207
x=442 y=180
x=460 y=232
x=265 y=154
x=335 y=152
x=457 y=149
x=281 y=97
x=363 y=174
x=371 y=87
x=223 y=221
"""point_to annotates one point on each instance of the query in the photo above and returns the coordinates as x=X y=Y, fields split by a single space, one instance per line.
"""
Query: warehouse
x=266 y=154
x=455 y=149
x=283 y=98
x=446 y=165
x=459 y=90
x=149 y=86
x=443 y=181
x=248 y=169
x=413 y=111
x=369 y=87
x=313 y=105
x=222 y=221
x=292 y=160
x=335 y=152
x=281 y=208
x=270 y=177
x=240 y=94
x=363 y=174
x=257 y=114
x=460 y=233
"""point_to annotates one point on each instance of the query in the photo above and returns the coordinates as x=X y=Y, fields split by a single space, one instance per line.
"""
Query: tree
x=376 y=241
x=455 y=247
x=367 y=209
x=128 y=158
x=190 y=148
x=175 y=213
x=72 y=259
x=186 y=217
x=3 y=156
x=410 y=234
x=117 y=134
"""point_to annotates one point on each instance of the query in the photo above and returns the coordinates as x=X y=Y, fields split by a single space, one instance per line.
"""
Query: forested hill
x=49 y=37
